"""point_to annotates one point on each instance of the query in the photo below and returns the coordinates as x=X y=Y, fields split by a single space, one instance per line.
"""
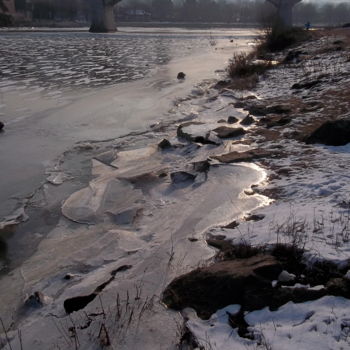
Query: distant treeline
x=234 y=11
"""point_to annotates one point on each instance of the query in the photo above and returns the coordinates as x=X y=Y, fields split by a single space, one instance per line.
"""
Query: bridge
x=103 y=19
x=285 y=10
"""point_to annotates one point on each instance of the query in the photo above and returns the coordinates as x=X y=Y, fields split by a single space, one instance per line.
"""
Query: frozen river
x=60 y=88
x=61 y=95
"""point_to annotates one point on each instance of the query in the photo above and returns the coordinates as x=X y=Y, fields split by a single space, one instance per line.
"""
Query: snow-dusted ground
x=311 y=210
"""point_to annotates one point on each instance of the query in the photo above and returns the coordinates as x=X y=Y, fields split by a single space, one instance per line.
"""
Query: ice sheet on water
x=80 y=59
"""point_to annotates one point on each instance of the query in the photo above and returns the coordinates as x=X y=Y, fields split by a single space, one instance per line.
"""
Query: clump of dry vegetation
x=245 y=68
x=278 y=37
x=244 y=65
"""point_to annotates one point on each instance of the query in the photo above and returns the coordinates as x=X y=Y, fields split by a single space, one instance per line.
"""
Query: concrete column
x=102 y=16
x=285 y=10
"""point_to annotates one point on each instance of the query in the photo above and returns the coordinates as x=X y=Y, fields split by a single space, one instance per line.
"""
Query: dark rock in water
x=69 y=276
x=258 y=109
x=239 y=104
x=332 y=133
x=232 y=225
x=1 y=126
x=181 y=176
x=272 y=121
x=222 y=121
x=224 y=132
x=211 y=288
x=255 y=217
x=308 y=84
x=232 y=120
x=277 y=109
x=248 y=120
x=201 y=166
x=36 y=300
x=181 y=76
x=164 y=144
x=247 y=156
x=346 y=25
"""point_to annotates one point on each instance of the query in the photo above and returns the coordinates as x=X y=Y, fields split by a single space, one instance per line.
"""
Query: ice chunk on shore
x=106 y=194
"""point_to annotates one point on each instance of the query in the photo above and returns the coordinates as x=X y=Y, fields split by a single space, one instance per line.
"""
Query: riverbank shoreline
x=299 y=243
x=204 y=151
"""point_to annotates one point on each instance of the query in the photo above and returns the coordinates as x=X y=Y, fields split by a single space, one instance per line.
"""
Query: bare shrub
x=243 y=65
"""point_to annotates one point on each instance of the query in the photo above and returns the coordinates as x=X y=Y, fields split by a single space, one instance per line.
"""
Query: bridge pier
x=285 y=10
x=102 y=16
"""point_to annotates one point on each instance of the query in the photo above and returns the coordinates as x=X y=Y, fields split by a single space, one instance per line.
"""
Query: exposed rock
x=211 y=288
x=285 y=276
x=232 y=120
x=181 y=176
x=201 y=166
x=306 y=84
x=222 y=121
x=36 y=300
x=239 y=104
x=255 y=217
x=258 y=109
x=196 y=132
x=226 y=132
x=164 y=144
x=181 y=76
x=232 y=225
x=332 y=133
x=69 y=276
x=248 y=120
x=277 y=109
x=246 y=156
x=273 y=121
x=1 y=126
x=339 y=287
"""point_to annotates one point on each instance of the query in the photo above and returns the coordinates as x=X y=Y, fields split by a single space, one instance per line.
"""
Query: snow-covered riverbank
x=308 y=178
x=142 y=217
